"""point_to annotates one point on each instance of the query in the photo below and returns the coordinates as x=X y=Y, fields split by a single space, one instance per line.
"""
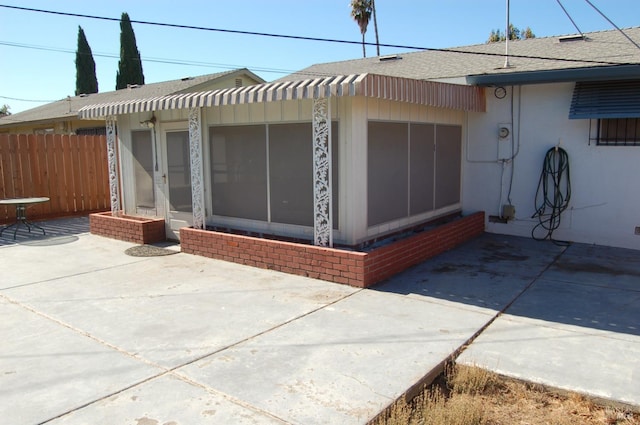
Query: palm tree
x=361 y=13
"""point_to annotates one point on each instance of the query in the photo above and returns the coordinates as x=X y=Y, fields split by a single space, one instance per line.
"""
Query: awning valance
x=430 y=93
x=606 y=99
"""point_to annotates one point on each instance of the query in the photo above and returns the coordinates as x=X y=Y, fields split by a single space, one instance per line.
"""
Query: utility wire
x=570 y=18
x=148 y=59
x=304 y=38
x=614 y=25
x=26 y=100
x=274 y=70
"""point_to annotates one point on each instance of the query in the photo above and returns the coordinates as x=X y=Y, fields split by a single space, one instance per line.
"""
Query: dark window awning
x=605 y=99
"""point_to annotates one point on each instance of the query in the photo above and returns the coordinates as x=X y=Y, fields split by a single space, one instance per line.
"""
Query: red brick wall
x=361 y=269
x=389 y=260
x=125 y=228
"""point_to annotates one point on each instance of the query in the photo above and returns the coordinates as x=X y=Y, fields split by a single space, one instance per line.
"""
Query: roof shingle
x=69 y=107
x=537 y=54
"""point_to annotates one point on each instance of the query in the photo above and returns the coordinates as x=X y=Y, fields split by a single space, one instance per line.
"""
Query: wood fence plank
x=24 y=166
x=17 y=167
x=91 y=182
x=77 y=144
x=14 y=172
x=6 y=184
x=96 y=158
x=35 y=176
x=75 y=172
x=83 y=173
x=45 y=173
x=102 y=173
x=104 y=163
x=71 y=170
x=61 y=182
x=54 y=185
x=78 y=171
x=68 y=174
x=47 y=164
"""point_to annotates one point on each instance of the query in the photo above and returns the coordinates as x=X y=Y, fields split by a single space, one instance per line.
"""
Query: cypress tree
x=86 y=80
x=130 y=65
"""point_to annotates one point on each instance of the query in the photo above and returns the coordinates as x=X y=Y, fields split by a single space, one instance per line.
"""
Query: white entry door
x=177 y=179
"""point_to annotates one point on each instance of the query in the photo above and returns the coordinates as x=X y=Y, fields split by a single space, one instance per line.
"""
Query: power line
x=614 y=25
x=149 y=59
x=27 y=100
x=305 y=38
x=570 y=18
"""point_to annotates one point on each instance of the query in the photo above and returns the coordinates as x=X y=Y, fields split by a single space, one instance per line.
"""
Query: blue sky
x=37 y=50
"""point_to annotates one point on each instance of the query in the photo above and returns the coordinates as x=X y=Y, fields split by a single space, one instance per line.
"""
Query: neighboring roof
x=443 y=95
x=69 y=107
x=597 y=50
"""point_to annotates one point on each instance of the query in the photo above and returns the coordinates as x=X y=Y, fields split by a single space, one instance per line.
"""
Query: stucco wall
x=605 y=199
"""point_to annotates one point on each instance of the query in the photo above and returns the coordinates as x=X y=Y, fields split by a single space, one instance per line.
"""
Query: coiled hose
x=553 y=194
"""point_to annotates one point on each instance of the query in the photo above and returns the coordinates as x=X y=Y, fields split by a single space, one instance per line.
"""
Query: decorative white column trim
x=197 y=172
x=322 y=186
x=112 y=164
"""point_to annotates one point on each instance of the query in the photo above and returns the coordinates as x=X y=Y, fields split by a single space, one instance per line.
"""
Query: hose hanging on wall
x=553 y=194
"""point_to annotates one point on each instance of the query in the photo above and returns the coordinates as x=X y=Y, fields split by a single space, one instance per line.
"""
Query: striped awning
x=429 y=93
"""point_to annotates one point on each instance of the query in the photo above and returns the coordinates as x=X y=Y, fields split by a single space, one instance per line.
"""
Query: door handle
x=164 y=179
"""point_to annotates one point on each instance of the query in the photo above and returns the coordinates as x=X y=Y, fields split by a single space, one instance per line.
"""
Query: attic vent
x=571 y=38
x=133 y=86
x=83 y=95
x=186 y=79
x=238 y=82
x=389 y=58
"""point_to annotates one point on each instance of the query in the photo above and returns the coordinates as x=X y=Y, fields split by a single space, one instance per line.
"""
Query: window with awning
x=615 y=105
x=605 y=99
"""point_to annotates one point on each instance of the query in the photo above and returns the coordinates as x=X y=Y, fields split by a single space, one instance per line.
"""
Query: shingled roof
x=597 y=49
x=69 y=107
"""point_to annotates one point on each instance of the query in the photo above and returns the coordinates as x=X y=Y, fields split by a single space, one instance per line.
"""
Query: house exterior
x=61 y=117
x=350 y=153
x=590 y=110
x=578 y=92
x=253 y=153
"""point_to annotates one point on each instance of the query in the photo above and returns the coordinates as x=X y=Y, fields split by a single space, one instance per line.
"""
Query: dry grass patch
x=466 y=395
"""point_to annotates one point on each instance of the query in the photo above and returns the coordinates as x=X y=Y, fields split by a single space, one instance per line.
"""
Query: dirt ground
x=473 y=396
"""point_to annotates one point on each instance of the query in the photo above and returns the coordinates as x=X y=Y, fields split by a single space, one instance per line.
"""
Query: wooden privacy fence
x=70 y=170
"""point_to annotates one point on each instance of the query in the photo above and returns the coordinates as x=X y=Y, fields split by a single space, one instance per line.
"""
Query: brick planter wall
x=141 y=230
x=391 y=259
x=361 y=269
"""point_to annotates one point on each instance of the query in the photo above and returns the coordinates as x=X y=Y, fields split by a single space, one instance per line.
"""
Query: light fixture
x=150 y=123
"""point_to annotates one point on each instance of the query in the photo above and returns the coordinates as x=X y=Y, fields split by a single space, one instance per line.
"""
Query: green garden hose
x=553 y=194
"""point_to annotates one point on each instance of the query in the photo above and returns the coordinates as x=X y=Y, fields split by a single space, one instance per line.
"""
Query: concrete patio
x=92 y=335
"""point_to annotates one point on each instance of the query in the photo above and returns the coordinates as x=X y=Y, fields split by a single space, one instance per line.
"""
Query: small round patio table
x=21 y=205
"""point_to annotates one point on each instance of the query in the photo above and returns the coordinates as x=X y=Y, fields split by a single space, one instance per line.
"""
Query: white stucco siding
x=260 y=113
x=384 y=110
x=605 y=200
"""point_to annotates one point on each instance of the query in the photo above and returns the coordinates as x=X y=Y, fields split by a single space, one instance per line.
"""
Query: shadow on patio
x=59 y=231
x=581 y=285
